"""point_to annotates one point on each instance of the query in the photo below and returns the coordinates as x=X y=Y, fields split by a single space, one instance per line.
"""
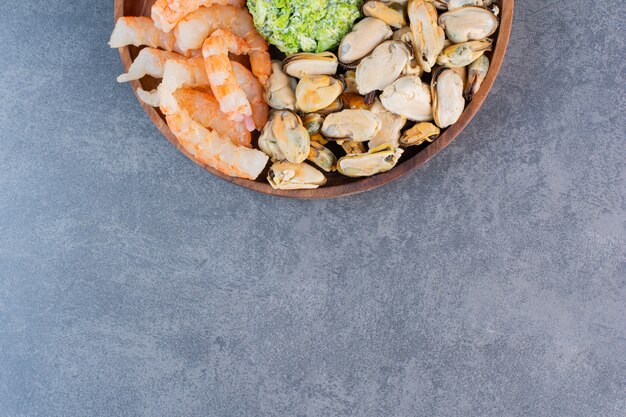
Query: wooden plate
x=337 y=185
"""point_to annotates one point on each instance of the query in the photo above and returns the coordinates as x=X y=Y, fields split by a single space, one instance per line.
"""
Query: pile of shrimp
x=211 y=103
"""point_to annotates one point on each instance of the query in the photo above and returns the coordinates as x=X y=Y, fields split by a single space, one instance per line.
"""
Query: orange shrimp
x=211 y=149
x=176 y=74
x=202 y=107
x=150 y=61
x=197 y=26
x=254 y=94
x=140 y=31
x=227 y=91
x=167 y=13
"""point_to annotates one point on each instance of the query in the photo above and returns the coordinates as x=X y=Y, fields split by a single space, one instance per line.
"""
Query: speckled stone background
x=489 y=283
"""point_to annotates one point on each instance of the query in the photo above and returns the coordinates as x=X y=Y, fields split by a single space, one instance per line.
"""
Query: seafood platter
x=311 y=99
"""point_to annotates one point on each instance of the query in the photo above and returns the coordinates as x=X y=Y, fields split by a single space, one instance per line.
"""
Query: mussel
x=409 y=97
x=393 y=14
x=316 y=92
x=284 y=137
x=290 y=176
x=382 y=67
x=377 y=160
x=428 y=36
x=306 y=64
x=392 y=124
x=412 y=66
x=447 y=93
x=279 y=91
x=463 y=54
x=476 y=74
x=420 y=133
x=468 y=24
x=358 y=125
x=322 y=157
x=312 y=122
x=365 y=36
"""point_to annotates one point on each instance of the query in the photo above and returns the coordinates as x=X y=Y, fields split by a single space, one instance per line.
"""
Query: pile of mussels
x=414 y=61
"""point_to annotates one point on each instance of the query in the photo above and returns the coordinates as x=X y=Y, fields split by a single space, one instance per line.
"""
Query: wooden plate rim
x=364 y=184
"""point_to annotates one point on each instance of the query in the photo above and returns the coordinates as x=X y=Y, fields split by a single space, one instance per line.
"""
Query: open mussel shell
x=308 y=63
x=382 y=67
x=322 y=157
x=284 y=137
x=476 y=74
x=290 y=176
x=364 y=37
x=428 y=36
x=392 y=14
x=447 y=93
x=420 y=133
x=377 y=160
x=358 y=125
x=468 y=24
x=316 y=92
x=409 y=97
x=463 y=54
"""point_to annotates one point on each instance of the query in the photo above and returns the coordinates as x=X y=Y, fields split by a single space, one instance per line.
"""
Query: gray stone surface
x=489 y=283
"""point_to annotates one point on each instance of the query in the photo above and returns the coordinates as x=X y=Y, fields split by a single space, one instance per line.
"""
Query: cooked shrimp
x=140 y=31
x=211 y=149
x=202 y=107
x=166 y=13
x=254 y=93
x=197 y=26
x=176 y=74
x=229 y=94
x=150 y=61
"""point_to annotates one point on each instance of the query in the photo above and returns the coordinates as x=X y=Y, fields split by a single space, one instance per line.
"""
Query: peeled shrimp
x=197 y=26
x=140 y=31
x=211 y=149
x=227 y=91
x=254 y=94
x=166 y=13
x=176 y=74
x=150 y=61
x=204 y=109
